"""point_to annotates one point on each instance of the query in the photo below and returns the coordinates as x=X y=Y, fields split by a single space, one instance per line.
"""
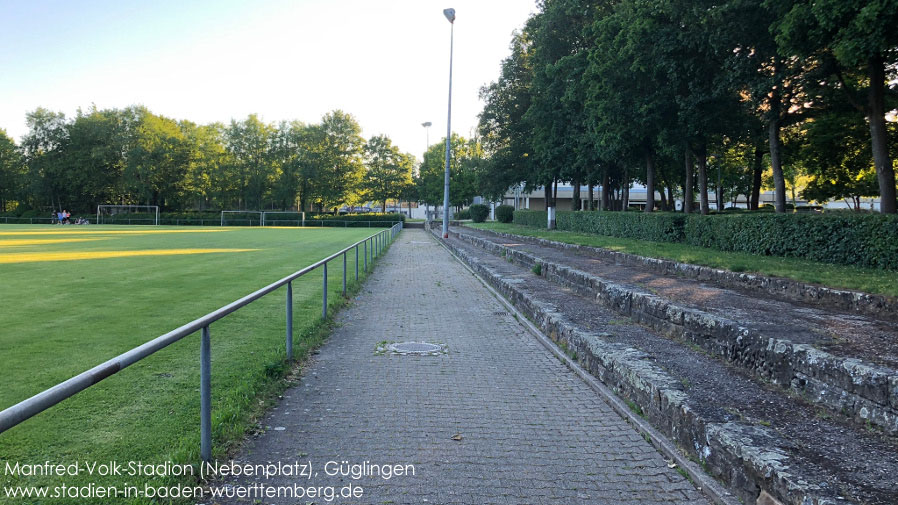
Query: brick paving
x=497 y=419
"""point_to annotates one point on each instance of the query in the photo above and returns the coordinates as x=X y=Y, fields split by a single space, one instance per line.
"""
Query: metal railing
x=23 y=410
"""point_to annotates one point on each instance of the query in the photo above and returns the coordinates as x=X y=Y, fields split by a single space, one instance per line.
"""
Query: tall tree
x=158 y=160
x=853 y=38
x=630 y=99
x=465 y=162
x=249 y=147
x=43 y=148
x=337 y=157
x=12 y=172
x=387 y=170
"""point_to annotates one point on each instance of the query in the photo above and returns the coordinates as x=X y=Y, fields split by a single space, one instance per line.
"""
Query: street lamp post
x=450 y=15
x=426 y=125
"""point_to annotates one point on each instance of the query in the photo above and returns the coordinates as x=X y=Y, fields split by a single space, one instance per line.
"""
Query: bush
x=657 y=226
x=479 y=212
x=535 y=218
x=462 y=214
x=356 y=220
x=867 y=240
x=395 y=218
x=505 y=213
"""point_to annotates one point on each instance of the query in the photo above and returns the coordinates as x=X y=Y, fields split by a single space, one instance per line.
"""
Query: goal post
x=249 y=221
x=106 y=214
x=278 y=217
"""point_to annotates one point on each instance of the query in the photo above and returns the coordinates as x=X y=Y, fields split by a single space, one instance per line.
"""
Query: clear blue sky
x=384 y=62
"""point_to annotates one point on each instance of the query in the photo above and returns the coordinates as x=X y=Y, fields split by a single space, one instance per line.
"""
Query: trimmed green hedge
x=657 y=227
x=462 y=214
x=393 y=218
x=535 y=218
x=479 y=212
x=868 y=240
x=505 y=213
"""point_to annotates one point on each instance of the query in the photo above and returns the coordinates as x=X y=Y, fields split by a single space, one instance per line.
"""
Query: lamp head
x=450 y=15
x=427 y=124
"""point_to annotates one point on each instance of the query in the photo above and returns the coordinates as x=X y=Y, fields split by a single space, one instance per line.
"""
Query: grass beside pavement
x=73 y=297
x=835 y=276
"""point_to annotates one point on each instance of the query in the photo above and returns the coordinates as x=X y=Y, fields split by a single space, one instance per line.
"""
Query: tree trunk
x=649 y=183
x=555 y=193
x=718 y=193
x=591 y=195
x=575 y=198
x=885 y=174
x=663 y=204
x=625 y=190
x=702 y=157
x=671 y=203
x=687 y=188
x=779 y=183
x=606 y=192
x=757 y=171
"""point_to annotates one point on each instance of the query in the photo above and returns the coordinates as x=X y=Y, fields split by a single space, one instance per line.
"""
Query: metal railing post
x=344 y=274
x=205 y=397
x=324 y=295
x=289 y=320
x=366 y=255
x=356 y=262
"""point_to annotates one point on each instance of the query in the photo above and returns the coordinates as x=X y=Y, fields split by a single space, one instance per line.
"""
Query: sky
x=386 y=63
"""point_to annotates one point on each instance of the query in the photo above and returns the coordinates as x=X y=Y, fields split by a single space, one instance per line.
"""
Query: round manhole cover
x=416 y=348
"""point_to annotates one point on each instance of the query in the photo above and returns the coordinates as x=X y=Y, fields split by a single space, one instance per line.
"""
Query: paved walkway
x=496 y=419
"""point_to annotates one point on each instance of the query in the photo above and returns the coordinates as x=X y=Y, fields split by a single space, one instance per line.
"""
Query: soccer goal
x=283 y=218
x=242 y=218
x=128 y=214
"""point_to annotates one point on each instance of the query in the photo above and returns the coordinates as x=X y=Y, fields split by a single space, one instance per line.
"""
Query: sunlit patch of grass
x=63 y=230
x=97 y=255
x=44 y=241
x=867 y=280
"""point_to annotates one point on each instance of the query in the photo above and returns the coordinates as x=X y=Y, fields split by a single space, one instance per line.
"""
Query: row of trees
x=605 y=92
x=132 y=156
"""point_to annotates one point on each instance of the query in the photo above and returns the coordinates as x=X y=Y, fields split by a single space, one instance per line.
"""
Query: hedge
x=535 y=218
x=505 y=213
x=867 y=240
x=462 y=214
x=479 y=212
x=393 y=218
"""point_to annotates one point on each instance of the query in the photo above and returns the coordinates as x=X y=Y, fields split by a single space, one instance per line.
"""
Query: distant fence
x=371 y=248
x=315 y=223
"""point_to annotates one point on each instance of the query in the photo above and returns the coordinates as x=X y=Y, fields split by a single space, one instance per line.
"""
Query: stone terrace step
x=877 y=306
x=753 y=437
x=803 y=349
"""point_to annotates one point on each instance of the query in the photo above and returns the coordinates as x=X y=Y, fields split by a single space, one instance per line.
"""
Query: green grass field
x=881 y=282
x=73 y=297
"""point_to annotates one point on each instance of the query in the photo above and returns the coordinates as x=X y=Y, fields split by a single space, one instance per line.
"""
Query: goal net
x=128 y=214
x=242 y=218
x=283 y=218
